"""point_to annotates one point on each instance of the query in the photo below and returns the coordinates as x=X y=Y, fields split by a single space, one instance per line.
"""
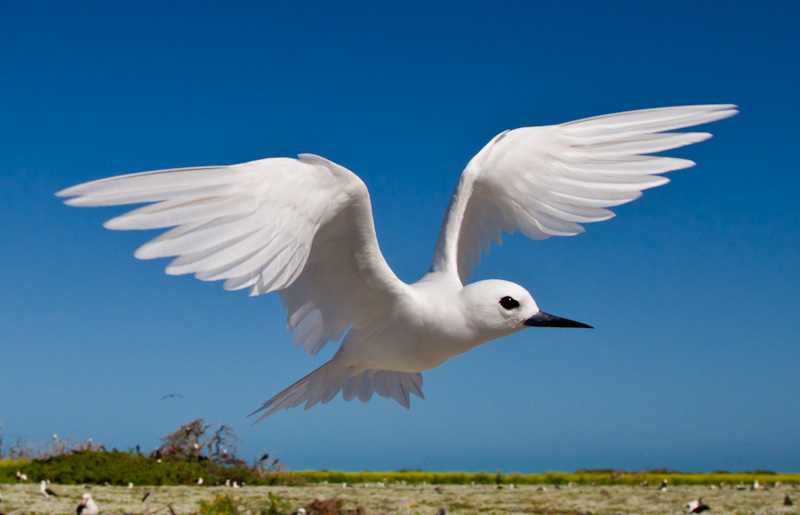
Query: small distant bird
x=787 y=501
x=55 y=437
x=304 y=228
x=263 y=457
x=130 y=485
x=87 y=506
x=22 y=477
x=756 y=485
x=46 y=490
x=200 y=481
x=171 y=395
x=439 y=489
x=235 y=484
x=227 y=482
x=697 y=506
x=440 y=511
x=146 y=495
x=663 y=486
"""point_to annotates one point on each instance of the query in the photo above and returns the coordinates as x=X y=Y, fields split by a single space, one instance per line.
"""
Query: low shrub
x=120 y=468
x=230 y=505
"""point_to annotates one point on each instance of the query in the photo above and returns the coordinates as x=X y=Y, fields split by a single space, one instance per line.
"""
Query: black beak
x=542 y=319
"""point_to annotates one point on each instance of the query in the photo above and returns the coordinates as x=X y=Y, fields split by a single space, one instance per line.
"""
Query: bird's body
x=87 y=506
x=46 y=491
x=303 y=227
x=697 y=506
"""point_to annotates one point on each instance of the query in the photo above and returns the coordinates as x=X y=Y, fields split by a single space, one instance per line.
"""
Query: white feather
x=304 y=227
x=548 y=180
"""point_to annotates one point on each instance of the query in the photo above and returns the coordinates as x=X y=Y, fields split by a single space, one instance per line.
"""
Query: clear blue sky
x=693 y=289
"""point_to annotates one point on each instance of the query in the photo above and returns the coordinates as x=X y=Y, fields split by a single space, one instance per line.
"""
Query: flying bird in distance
x=303 y=228
x=171 y=395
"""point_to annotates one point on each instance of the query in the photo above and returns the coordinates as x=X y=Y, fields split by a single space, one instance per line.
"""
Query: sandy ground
x=419 y=499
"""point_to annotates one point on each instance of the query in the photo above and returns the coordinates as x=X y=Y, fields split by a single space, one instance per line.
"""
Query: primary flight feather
x=303 y=227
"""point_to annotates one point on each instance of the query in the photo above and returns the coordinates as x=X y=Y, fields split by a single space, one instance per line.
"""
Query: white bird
x=88 y=506
x=303 y=227
x=199 y=481
x=697 y=506
x=47 y=492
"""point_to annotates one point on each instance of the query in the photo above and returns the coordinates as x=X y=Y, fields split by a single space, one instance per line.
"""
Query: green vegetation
x=197 y=449
x=120 y=468
x=226 y=504
x=583 y=477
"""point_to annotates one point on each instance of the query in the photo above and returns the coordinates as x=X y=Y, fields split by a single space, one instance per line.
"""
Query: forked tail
x=324 y=383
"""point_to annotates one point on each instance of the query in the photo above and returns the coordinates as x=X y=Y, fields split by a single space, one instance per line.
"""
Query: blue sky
x=693 y=289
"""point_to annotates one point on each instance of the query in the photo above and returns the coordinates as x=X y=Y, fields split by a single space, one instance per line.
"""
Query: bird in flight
x=171 y=396
x=303 y=228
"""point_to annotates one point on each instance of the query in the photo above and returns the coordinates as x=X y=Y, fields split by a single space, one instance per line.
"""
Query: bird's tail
x=324 y=383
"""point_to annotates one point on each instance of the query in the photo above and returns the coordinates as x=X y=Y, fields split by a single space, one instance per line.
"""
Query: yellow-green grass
x=604 y=477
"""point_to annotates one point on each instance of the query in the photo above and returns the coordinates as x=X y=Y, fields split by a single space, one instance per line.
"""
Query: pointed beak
x=542 y=319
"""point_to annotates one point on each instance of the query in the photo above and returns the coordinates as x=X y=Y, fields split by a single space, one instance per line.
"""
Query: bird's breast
x=410 y=339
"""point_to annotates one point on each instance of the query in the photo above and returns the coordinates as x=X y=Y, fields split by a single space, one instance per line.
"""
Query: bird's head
x=499 y=308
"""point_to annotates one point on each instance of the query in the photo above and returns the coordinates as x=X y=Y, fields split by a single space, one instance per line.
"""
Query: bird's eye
x=509 y=303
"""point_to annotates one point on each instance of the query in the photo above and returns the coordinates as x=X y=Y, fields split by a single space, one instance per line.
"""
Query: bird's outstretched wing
x=546 y=181
x=302 y=227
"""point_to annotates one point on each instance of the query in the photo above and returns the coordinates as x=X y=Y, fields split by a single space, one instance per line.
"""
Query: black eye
x=509 y=303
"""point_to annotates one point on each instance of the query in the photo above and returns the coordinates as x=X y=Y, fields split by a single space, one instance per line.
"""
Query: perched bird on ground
x=199 y=481
x=787 y=501
x=303 y=227
x=87 y=506
x=697 y=506
x=46 y=490
x=663 y=485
